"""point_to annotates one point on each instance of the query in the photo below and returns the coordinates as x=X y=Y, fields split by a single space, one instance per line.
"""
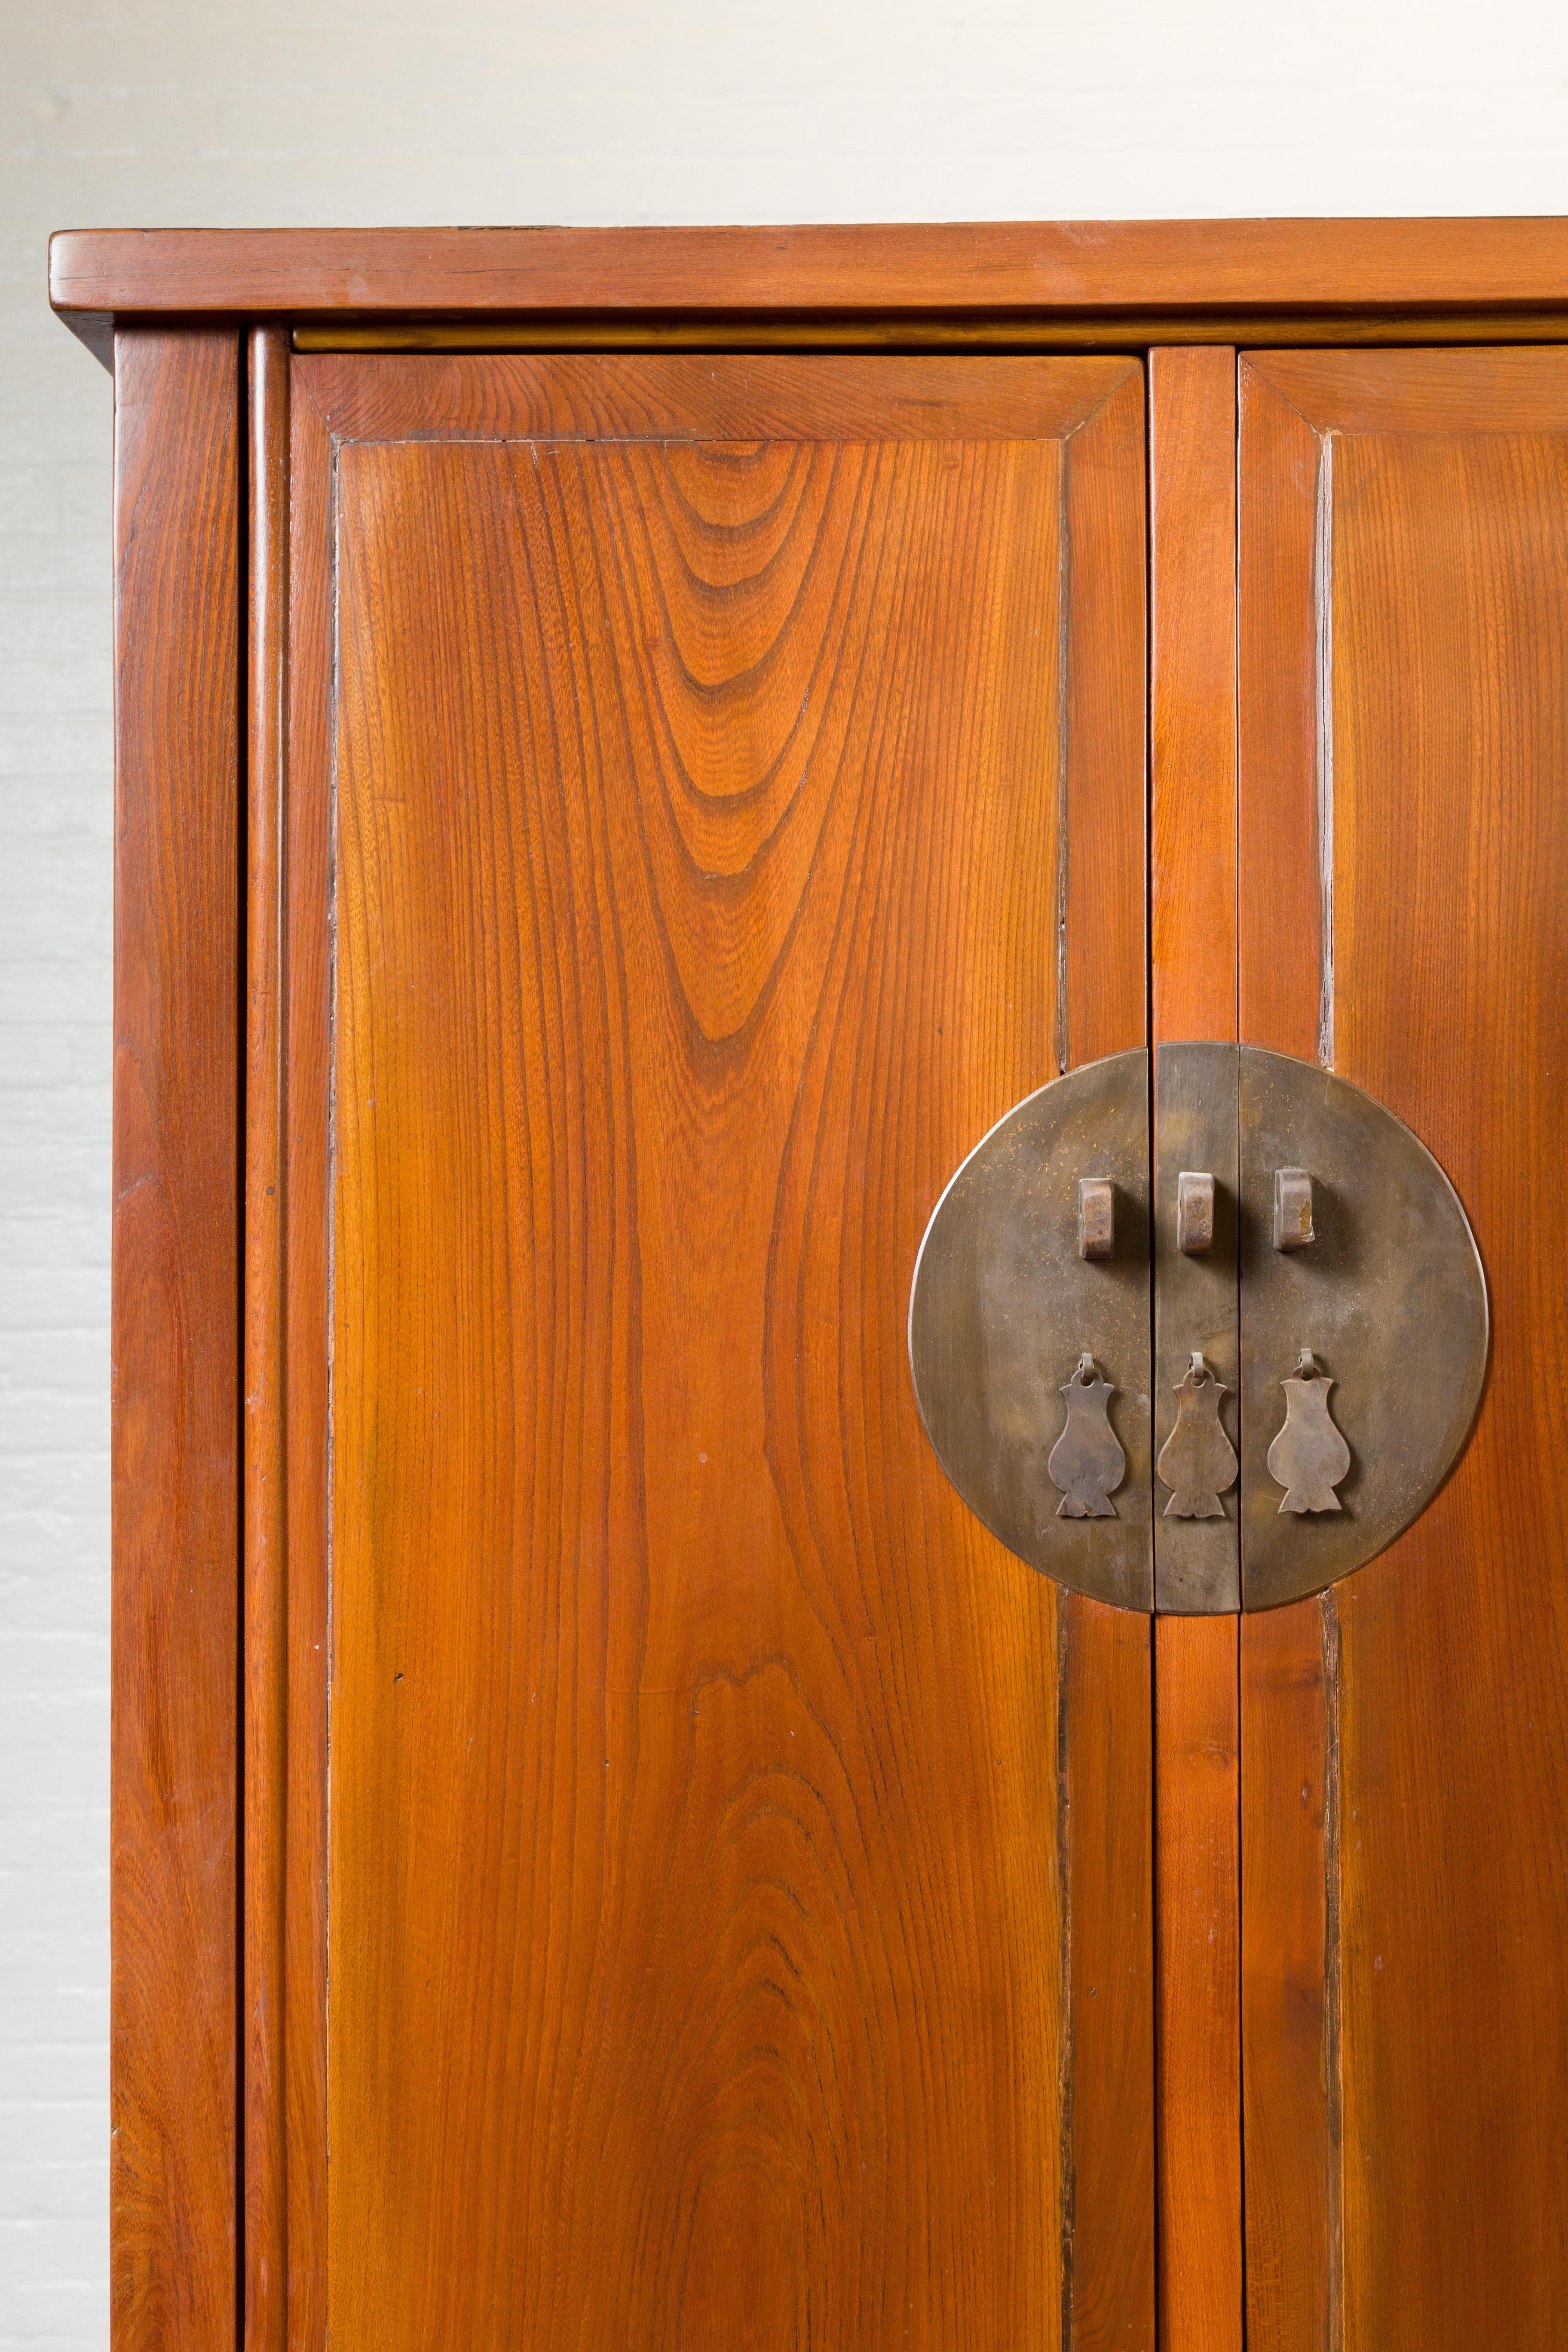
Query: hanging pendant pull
x=1197 y=1461
x=1310 y=1457
x=1087 y=1462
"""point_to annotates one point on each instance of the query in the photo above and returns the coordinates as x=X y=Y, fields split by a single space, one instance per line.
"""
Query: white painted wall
x=252 y=112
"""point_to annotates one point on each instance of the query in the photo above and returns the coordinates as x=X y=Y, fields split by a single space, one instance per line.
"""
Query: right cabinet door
x=1403 y=918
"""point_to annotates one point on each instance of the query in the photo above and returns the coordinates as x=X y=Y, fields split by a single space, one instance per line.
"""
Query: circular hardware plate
x=1388 y=1298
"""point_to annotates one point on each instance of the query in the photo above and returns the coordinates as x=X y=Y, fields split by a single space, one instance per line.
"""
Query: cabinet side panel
x=175 y=1339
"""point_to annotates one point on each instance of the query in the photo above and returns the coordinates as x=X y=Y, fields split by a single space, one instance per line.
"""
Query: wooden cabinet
x=634 y=751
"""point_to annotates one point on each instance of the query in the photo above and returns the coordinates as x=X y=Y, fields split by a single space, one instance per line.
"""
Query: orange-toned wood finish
x=1188 y=275
x=1405 y=602
x=739 y=805
x=1104 y=1747
x=1289 y=1848
x=1193 y=898
x=299 y=2081
x=174 y=2068
x=1289 y=2013
x=1197 y=1757
x=695 y=758
x=1192 y=546
x=266 y=1457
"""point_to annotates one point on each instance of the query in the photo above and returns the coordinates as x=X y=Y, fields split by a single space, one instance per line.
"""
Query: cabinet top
x=1297 y=281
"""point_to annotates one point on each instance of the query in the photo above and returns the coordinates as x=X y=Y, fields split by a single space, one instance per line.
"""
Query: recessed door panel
x=716 y=796
x=1403 y=861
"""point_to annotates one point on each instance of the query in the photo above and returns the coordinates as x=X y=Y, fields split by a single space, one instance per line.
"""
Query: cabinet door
x=717 y=1873
x=1404 y=894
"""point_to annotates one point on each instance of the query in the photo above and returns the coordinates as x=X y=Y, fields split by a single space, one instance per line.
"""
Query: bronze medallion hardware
x=1290 y=1220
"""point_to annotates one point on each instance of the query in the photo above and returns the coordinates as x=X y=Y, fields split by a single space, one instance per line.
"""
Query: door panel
x=716 y=795
x=1404 y=859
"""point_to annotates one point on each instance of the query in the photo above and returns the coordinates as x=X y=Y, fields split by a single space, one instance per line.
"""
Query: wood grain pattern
x=1002 y=331
x=1108 y=1860
x=174 y=2076
x=307 y=981
x=1196 y=1747
x=1192 y=453
x=1011 y=266
x=695 y=1892
x=815 y=399
x=1198 y=1756
x=1442 y=580
x=1287 y=1863
x=265 y=1462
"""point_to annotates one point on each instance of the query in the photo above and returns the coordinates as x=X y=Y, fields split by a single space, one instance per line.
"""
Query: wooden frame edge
x=265 y=1621
x=175 y=1420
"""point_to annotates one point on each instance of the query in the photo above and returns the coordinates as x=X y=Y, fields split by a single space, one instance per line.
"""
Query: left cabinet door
x=716 y=1873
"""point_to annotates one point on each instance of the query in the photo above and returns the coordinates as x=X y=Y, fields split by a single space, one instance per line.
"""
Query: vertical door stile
x=1289 y=2059
x=1106 y=1661
x=265 y=1484
x=300 y=2086
x=174 y=1336
x=1192 y=405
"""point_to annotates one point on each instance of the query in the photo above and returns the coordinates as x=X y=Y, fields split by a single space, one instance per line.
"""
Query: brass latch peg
x=1195 y=1212
x=1292 y=1209
x=1096 y=1216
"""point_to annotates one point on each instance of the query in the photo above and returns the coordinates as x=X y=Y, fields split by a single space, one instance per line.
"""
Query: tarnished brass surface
x=1096 y=1216
x=1197 y=1461
x=1004 y=1309
x=1086 y=1463
x=1195 y=1211
x=1198 y=1560
x=1391 y=1301
x=1032 y=1363
x=1309 y=1458
x=1292 y=1209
